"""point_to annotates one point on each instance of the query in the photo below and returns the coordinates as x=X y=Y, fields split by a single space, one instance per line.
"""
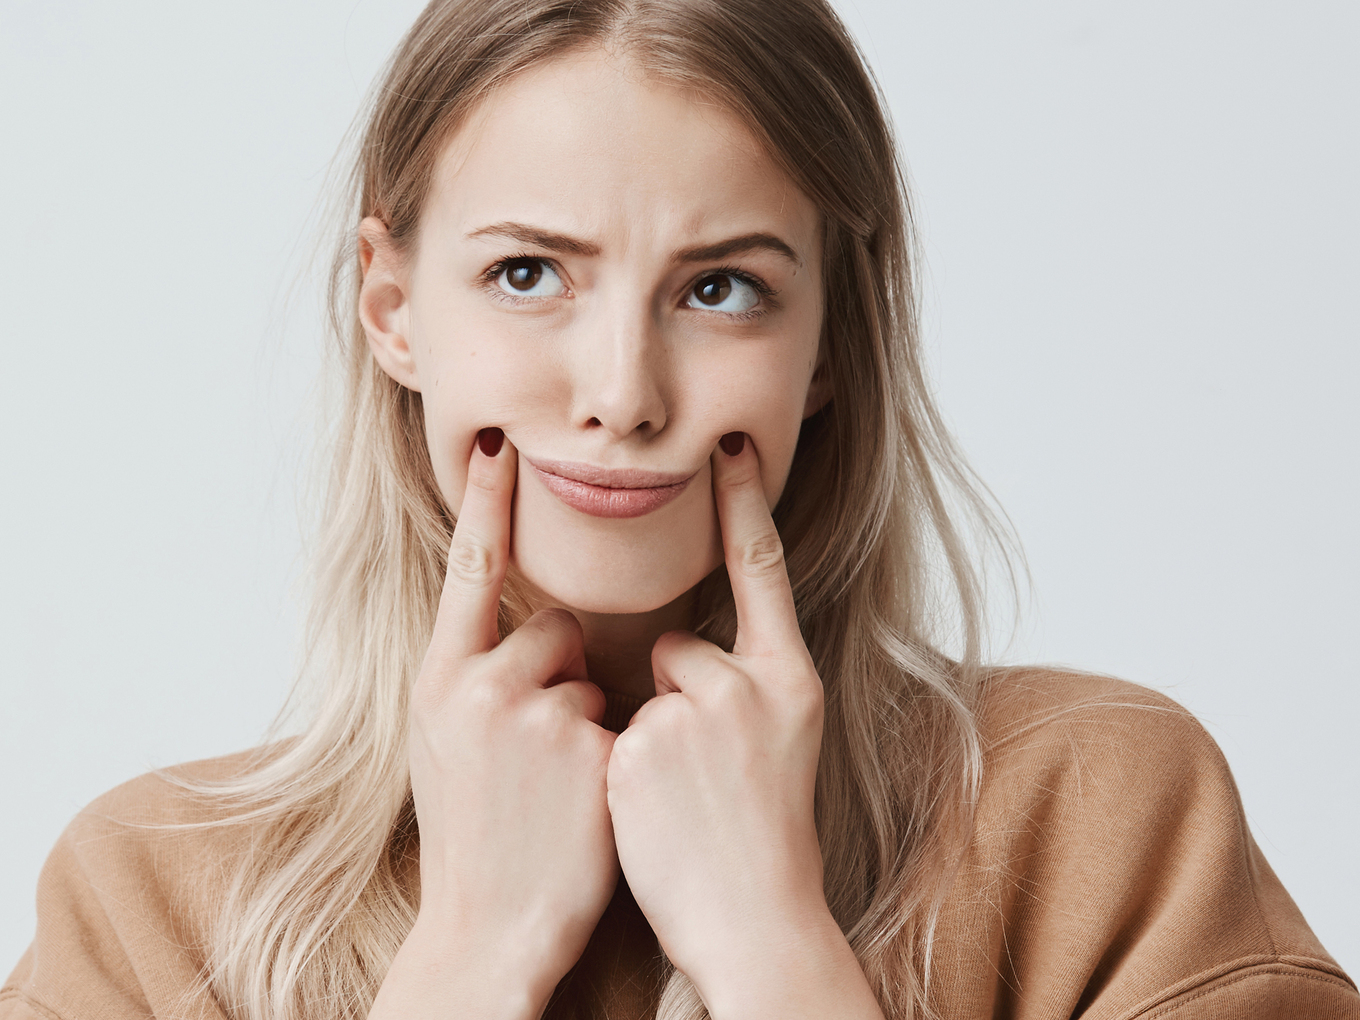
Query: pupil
x=713 y=290
x=522 y=275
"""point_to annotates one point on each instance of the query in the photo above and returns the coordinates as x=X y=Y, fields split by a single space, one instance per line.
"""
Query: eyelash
x=767 y=293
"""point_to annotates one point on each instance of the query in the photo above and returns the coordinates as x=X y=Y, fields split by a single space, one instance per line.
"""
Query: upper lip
x=611 y=478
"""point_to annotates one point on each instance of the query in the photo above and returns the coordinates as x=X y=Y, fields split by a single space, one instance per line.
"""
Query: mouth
x=609 y=492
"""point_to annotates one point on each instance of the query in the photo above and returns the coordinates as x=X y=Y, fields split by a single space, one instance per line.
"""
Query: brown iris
x=523 y=274
x=713 y=290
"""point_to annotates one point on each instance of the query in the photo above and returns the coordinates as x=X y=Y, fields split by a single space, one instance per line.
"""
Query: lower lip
x=599 y=501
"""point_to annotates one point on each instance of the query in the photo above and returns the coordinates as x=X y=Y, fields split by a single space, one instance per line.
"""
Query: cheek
x=760 y=391
x=468 y=383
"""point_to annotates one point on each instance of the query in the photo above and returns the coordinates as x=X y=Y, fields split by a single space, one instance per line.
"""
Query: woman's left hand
x=711 y=785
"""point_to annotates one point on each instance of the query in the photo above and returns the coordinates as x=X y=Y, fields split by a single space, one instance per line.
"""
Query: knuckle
x=481 y=696
x=628 y=754
x=471 y=564
x=547 y=717
x=763 y=556
x=482 y=476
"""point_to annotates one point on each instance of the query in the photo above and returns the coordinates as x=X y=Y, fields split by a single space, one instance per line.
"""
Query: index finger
x=766 y=619
x=480 y=550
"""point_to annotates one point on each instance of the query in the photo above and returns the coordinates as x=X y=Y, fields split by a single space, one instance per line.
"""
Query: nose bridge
x=620 y=377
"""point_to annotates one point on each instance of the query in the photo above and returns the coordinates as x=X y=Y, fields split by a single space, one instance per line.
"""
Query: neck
x=619 y=646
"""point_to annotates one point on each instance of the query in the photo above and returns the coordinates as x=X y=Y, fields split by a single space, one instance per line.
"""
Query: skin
x=528 y=808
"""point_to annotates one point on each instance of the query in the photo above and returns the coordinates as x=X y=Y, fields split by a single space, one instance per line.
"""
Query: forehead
x=589 y=143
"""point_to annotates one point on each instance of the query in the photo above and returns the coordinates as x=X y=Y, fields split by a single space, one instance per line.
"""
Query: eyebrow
x=742 y=245
x=552 y=241
x=537 y=236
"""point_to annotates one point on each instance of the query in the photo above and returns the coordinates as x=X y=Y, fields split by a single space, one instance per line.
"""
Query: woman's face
x=615 y=274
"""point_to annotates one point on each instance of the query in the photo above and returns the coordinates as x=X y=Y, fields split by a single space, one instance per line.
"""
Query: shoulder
x=1102 y=752
x=176 y=830
x=126 y=897
x=1104 y=762
x=168 y=822
x=1111 y=863
x=1023 y=703
x=173 y=795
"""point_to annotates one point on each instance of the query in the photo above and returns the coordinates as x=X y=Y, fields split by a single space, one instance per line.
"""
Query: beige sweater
x=1112 y=876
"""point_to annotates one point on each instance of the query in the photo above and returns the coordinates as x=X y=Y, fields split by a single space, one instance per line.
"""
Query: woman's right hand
x=508 y=766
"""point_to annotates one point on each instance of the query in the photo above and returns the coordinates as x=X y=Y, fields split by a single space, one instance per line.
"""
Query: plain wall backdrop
x=1139 y=223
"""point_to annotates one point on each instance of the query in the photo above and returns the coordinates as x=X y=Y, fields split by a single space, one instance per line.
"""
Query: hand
x=508 y=763
x=711 y=785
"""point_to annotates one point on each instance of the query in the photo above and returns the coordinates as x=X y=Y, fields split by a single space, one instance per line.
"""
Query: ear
x=384 y=302
x=819 y=387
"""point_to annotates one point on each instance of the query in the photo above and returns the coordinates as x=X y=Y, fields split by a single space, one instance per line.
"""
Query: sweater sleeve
x=1112 y=875
x=1269 y=990
x=114 y=938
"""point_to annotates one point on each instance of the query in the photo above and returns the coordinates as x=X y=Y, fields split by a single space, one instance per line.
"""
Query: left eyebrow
x=742 y=245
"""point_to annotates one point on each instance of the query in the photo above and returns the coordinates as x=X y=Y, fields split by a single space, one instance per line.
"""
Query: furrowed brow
x=524 y=233
x=742 y=245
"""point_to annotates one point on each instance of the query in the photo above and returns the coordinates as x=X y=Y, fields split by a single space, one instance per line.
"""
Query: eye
x=525 y=277
x=723 y=292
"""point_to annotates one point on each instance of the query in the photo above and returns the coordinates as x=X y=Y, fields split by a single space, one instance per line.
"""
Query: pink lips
x=604 y=492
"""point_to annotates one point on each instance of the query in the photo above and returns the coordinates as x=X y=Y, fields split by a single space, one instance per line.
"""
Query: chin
x=623 y=584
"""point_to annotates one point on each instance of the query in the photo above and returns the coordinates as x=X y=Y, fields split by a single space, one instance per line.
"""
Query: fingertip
x=490 y=440
x=490 y=464
x=736 y=462
x=562 y=621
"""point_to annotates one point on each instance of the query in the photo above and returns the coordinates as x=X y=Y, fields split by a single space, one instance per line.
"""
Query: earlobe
x=384 y=303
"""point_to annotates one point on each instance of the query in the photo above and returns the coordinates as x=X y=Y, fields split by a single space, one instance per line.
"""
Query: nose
x=619 y=378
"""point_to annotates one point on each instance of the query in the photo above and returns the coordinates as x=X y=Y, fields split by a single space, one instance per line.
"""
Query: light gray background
x=1141 y=228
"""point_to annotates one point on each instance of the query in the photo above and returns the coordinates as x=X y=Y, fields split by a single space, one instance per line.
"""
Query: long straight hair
x=876 y=518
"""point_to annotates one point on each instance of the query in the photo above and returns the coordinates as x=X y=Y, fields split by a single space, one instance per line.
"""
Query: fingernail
x=732 y=443
x=490 y=440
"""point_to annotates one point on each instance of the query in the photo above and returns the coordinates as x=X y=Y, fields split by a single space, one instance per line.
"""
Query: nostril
x=595 y=422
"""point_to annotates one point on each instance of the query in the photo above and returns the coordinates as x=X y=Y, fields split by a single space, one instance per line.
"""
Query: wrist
x=799 y=969
x=439 y=967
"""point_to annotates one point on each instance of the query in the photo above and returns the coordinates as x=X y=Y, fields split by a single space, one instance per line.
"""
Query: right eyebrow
x=538 y=237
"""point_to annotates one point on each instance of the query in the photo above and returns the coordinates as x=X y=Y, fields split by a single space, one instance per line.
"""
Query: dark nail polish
x=732 y=443
x=490 y=441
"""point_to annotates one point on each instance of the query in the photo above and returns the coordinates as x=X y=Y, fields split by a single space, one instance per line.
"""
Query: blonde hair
x=880 y=569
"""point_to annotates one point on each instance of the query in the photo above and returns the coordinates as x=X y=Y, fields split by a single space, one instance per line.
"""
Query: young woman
x=639 y=552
